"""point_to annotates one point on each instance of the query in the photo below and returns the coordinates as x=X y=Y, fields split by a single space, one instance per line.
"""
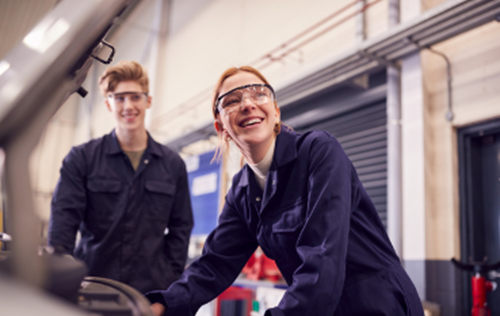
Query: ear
x=277 y=113
x=108 y=106
x=218 y=126
x=149 y=100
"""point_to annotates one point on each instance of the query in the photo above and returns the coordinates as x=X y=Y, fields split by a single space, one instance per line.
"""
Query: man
x=126 y=194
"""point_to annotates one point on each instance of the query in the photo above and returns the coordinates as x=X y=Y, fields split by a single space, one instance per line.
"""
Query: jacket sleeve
x=180 y=225
x=322 y=243
x=68 y=204
x=226 y=251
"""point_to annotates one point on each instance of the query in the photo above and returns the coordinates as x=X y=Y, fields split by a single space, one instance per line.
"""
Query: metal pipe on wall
x=394 y=181
x=360 y=22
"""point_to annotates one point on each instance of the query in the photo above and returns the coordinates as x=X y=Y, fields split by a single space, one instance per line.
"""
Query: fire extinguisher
x=480 y=286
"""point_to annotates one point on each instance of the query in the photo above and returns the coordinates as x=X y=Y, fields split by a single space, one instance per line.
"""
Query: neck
x=255 y=153
x=132 y=140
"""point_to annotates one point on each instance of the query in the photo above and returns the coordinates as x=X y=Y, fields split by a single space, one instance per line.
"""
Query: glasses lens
x=257 y=94
x=260 y=94
x=133 y=97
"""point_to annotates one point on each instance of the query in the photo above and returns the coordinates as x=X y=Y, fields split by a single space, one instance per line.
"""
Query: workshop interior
x=410 y=88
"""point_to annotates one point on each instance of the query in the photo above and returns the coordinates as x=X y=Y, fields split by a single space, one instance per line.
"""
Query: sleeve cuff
x=156 y=297
x=274 y=312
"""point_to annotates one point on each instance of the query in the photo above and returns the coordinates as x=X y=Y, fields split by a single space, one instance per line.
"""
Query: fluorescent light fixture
x=45 y=34
x=4 y=65
x=10 y=91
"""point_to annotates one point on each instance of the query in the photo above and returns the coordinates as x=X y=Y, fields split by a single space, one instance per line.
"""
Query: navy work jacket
x=135 y=224
x=316 y=220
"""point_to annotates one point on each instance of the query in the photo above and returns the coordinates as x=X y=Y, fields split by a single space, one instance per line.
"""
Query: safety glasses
x=133 y=97
x=258 y=94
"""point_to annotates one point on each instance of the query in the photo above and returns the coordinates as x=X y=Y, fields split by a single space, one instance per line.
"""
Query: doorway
x=479 y=161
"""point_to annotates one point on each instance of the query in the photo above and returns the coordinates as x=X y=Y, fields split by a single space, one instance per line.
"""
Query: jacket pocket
x=286 y=229
x=289 y=222
x=103 y=198
x=160 y=196
x=160 y=187
x=289 y=218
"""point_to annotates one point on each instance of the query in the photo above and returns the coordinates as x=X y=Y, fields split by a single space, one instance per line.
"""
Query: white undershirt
x=261 y=168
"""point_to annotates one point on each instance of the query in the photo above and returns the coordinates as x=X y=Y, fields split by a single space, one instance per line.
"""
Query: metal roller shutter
x=362 y=133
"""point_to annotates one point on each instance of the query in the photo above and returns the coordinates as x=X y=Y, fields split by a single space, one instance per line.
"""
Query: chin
x=254 y=140
x=130 y=128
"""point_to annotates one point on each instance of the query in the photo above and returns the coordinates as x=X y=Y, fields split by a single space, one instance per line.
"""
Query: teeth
x=251 y=122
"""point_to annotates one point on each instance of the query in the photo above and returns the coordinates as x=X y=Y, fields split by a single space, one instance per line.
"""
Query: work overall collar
x=284 y=153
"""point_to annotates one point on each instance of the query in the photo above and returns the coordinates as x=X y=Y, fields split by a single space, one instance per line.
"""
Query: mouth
x=251 y=121
x=129 y=116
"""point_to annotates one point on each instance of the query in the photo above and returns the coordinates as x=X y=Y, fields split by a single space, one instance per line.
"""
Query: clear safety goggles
x=258 y=94
x=133 y=97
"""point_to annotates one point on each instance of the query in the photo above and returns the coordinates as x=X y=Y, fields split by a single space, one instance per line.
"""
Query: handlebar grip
x=476 y=266
x=462 y=266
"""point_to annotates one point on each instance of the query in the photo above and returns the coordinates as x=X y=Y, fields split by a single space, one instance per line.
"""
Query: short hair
x=124 y=70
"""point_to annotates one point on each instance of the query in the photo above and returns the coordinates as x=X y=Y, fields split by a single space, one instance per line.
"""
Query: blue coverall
x=316 y=220
x=135 y=225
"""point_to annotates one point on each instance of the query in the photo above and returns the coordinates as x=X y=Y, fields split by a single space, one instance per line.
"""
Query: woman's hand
x=158 y=309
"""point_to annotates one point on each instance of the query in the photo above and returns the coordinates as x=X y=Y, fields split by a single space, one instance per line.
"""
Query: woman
x=299 y=198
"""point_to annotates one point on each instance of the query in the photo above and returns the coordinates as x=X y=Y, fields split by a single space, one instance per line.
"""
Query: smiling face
x=128 y=104
x=250 y=126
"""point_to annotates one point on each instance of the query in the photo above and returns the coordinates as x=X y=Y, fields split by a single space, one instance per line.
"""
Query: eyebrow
x=127 y=92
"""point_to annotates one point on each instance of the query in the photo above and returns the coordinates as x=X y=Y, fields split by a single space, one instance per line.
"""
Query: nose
x=127 y=104
x=246 y=102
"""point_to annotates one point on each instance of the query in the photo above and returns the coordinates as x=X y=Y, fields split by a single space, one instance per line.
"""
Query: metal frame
x=432 y=27
x=138 y=304
x=41 y=73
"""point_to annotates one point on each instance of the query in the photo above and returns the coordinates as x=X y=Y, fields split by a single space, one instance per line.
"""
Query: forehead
x=127 y=86
x=239 y=79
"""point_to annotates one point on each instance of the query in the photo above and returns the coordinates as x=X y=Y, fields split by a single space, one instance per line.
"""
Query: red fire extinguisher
x=480 y=286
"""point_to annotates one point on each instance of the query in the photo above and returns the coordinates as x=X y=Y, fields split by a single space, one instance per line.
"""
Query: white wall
x=206 y=37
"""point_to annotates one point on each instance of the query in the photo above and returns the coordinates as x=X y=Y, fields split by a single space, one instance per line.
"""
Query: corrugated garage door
x=363 y=135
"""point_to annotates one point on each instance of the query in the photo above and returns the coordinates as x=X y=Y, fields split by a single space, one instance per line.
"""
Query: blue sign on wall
x=204 y=187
